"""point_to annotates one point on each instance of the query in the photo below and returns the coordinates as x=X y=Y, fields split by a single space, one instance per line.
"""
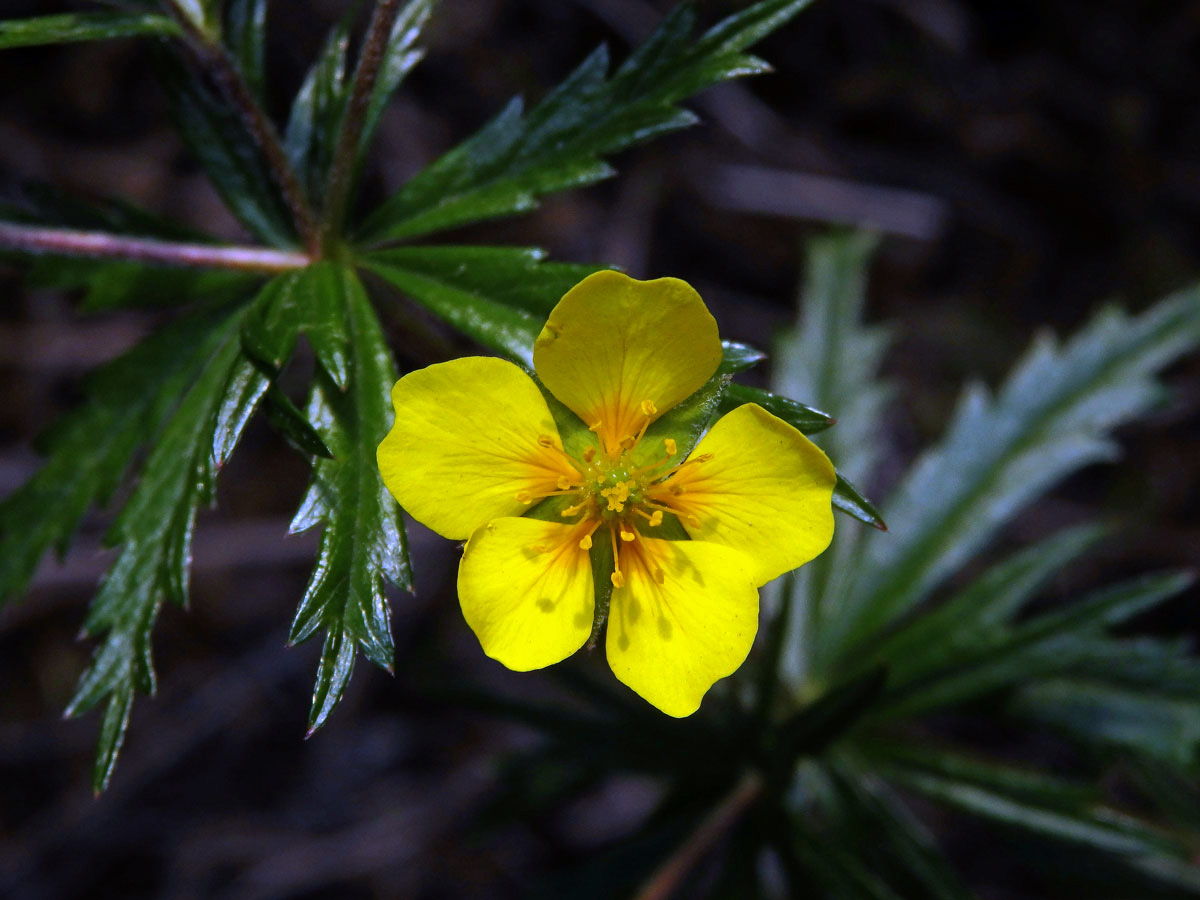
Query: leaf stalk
x=103 y=245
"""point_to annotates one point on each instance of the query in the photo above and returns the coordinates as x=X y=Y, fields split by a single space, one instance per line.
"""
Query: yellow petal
x=465 y=444
x=686 y=617
x=619 y=352
x=525 y=587
x=766 y=491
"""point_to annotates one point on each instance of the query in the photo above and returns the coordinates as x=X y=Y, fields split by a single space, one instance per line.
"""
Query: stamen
x=648 y=408
x=546 y=441
x=672 y=447
x=596 y=426
x=564 y=482
x=589 y=454
x=654 y=518
x=627 y=536
x=617 y=578
x=524 y=497
x=628 y=442
x=573 y=510
x=585 y=542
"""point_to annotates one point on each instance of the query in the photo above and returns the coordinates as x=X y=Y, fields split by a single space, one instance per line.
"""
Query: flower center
x=611 y=491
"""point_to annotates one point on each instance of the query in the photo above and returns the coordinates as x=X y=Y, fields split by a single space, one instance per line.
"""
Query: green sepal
x=737 y=357
x=847 y=499
x=803 y=418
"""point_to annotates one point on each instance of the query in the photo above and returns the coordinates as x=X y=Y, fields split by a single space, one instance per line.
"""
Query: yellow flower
x=475 y=447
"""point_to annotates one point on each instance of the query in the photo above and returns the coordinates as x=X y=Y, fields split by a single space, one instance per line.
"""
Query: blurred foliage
x=817 y=753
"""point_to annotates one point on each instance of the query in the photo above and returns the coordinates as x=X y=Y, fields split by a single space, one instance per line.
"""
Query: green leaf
x=518 y=277
x=111 y=284
x=1043 y=646
x=827 y=718
x=399 y=57
x=74 y=27
x=504 y=329
x=246 y=37
x=363 y=538
x=91 y=448
x=889 y=839
x=312 y=128
x=1053 y=415
x=831 y=359
x=559 y=144
x=1157 y=727
x=298 y=302
x=154 y=531
x=214 y=133
x=975 y=618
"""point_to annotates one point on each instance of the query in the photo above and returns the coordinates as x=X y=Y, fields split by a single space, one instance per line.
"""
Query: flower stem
x=667 y=877
x=366 y=73
x=67 y=242
x=216 y=62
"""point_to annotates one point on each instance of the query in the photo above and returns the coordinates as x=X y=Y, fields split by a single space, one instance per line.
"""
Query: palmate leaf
x=399 y=58
x=154 y=532
x=316 y=113
x=77 y=27
x=1053 y=415
x=90 y=449
x=245 y=27
x=363 y=539
x=561 y=142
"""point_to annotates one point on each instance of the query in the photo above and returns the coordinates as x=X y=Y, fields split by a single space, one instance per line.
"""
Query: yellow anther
x=659 y=576
x=596 y=426
x=676 y=489
x=618 y=579
x=627 y=535
x=616 y=496
x=648 y=408
x=545 y=440
x=703 y=457
x=694 y=521
x=656 y=518
x=589 y=454
x=524 y=497
x=585 y=543
x=572 y=510
x=672 y=447
x=564 y=482
x=628 y=442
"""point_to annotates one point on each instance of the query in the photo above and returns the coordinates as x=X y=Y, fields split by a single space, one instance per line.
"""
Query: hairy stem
x=341 y=169
x=667 y=877
x=216 y=62
x=67 y=242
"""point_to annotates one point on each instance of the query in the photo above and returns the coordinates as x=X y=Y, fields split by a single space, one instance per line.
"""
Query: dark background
x=1025 y=162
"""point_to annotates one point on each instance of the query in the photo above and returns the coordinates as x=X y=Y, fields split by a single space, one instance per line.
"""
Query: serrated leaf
x=214 y=134
x=363 y=538
x=154 y=531
x=976 y=617
x=519 y=277
x=76 y=27
x=246 y=37
x=1053 y=415
x=300 y=302
x=91 y=448
x=888 y=837
x=398 y=60
x=1042 y=646
x=313 y=124
x=831 y=358
x=1154 y=726
x=559 y=144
